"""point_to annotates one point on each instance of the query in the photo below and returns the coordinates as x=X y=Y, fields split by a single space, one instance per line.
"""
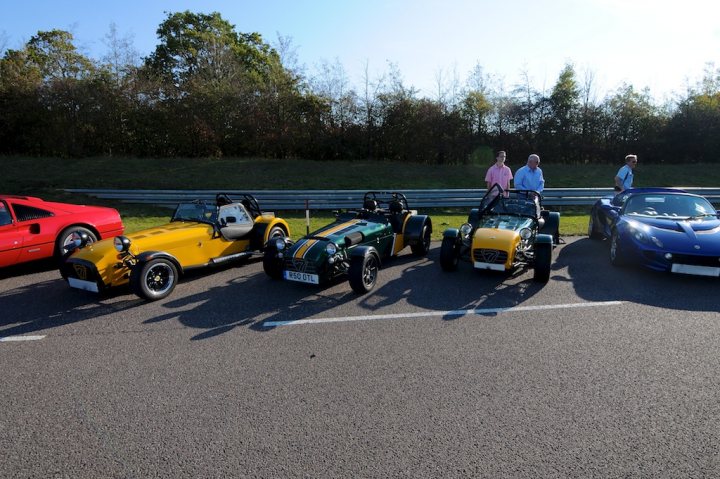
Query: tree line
x=208 y=90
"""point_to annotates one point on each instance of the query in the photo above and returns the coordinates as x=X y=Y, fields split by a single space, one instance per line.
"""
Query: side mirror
x=35 y=229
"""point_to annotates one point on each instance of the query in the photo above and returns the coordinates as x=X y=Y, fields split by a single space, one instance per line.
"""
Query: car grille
x=80 y=271
x=696 y=260
x=300 y=265
x=491 y=256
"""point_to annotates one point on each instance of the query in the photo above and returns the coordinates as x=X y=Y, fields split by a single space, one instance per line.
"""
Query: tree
x=208 y=46
x=564 y=104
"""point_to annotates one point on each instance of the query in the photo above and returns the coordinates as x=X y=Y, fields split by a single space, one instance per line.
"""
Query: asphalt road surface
x=603 y=372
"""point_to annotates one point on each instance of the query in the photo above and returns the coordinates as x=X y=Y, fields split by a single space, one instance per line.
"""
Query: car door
x=10 y=238
x=34 y=227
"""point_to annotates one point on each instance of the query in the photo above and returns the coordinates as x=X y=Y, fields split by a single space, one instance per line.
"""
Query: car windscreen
x=668 y=205
x=195 y=212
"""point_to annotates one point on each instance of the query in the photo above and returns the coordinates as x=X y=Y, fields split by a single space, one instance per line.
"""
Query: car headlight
x=279 y=244
x=121 y=243
x=640 y=235
x=465 y=229
x=331 y=248
x=525 y=233
x=657 y=242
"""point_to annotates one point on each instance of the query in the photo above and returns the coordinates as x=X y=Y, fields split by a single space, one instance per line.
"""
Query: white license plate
x=492 y=266
x=81 y=284
x=692 y=269
x=301 y=277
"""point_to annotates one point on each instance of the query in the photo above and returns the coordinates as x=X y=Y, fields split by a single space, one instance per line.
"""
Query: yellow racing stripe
x=300 y=252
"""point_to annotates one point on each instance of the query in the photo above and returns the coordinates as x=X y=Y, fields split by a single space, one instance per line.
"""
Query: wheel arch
x=147 y=256
x=364 y=251
x=414 y=228
x=261 y=229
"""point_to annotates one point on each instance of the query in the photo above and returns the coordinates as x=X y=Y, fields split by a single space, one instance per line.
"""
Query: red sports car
x=31 y=228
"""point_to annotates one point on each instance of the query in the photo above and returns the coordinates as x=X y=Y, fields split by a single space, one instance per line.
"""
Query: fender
x=544 y=239
x=364 y=251
x=259 y=231
x=451 y=233
x=414 y=227
x=474 y=217
x=146 y=256
x=552 y=223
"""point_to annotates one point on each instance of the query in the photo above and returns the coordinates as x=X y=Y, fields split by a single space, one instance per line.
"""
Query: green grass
x=48 y=177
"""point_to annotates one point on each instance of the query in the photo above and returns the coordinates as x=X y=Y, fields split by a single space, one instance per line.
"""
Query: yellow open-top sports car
x=199 y=234
x=509 y=229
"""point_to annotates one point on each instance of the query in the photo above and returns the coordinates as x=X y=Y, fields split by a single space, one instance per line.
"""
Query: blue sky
x=658 y=44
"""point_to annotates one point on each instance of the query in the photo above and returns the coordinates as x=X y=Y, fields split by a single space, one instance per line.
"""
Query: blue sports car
x=660 y=228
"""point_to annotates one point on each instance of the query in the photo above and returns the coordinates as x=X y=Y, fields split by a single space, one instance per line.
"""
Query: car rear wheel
x=363 y=273
x=422 y=247
x=276 y=232
x=543 y=262
x=154 y=280
x=592 y=229
x=449 y=254
x=616 y=258
x=70 y=234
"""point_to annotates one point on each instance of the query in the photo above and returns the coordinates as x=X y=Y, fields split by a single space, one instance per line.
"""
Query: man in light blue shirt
x=530 y=176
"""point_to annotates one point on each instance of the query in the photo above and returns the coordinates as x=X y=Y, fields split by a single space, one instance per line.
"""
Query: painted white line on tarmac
x=7 y=339
x=429 y=314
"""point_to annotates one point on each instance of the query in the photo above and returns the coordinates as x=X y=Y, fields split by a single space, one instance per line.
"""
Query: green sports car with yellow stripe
x=356 y=244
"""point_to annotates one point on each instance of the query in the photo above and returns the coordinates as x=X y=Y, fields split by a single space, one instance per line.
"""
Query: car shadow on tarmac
x=39 y=306
x=586 y=264
x=423 y=284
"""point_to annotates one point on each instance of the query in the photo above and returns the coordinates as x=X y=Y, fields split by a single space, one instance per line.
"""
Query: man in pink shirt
x=499 y=173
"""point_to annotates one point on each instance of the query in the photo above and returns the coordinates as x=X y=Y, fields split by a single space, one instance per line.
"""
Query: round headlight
x=121 y=243
x=330 y=248
x=525 y=233
x=465 y=229
x=279 y=244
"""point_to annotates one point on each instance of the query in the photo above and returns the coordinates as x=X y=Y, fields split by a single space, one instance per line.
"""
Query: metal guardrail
x=340 y=199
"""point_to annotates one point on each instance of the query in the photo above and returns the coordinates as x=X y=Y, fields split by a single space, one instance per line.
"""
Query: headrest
x=395 y=206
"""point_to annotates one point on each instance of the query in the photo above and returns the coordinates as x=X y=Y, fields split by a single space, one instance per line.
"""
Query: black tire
x=363 y=273
x=449 y=254
x=272 y=265
x=68 y=235
x=592 y=229
x=543 y=262
x=422 y=247
x=616 y=257
x=154 y=280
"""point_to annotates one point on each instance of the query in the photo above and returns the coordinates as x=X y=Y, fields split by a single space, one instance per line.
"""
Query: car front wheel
x=363 y=273
x=272 y=265
x=449 y=254
x=543 y=262
x=154 y=280
x=616 y=258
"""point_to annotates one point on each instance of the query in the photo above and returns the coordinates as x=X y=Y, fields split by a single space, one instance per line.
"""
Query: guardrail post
x=307 y=217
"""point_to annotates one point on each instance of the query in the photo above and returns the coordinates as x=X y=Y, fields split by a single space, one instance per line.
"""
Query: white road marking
x=6 y=339
x=428 y=314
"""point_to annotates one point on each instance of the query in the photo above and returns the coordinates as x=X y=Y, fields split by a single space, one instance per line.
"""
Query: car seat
x=370 y=205
x=395 y=207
